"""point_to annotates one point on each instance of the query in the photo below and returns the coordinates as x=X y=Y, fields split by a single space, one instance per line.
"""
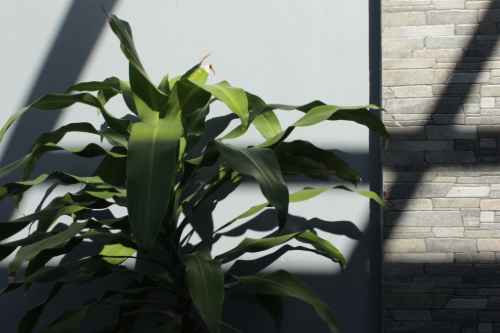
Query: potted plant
x=150 y=170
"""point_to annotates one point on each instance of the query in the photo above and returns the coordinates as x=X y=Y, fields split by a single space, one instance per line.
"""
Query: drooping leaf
x=331 y=161
x=273 y=305
x=46 y=274
x=55 y=102
x=234 y=98
x=28 y=252
x=282 y=283
x=261 y=164
x=151 y=167
x=206 y=285
x=28 y=322
x=139 y=80
x=111 y=83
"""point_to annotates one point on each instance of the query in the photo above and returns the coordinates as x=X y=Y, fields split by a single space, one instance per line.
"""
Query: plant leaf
x=28 y=252
x=151 y=167
x=261 y=164
x=306 y=149
x=234 y=98
x=282 y=283
x=206 y=285
x=273 y=305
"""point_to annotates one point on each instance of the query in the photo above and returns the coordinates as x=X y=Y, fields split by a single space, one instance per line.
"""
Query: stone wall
x=441 y=79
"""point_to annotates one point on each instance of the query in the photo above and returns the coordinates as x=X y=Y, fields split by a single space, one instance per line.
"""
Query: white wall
x=289 y=52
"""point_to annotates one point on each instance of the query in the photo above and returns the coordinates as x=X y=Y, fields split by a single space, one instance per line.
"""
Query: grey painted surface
x=284 y=51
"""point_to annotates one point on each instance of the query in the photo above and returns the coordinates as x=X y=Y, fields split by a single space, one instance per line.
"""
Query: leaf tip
x=10 y=276
x=205 y=57
x=27 y=288
x=109 y=18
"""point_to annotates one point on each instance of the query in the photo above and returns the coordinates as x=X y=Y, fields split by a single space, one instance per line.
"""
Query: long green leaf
x=90 y=151
x=139 y=80
x=46 y=274
x=234 y=98
x=151 y=167
x=206 y=285
x=30 y=251
x=28 y=322
x=261 y=164
x=56 y=102
x=273 y=305
x=111 y=83
x=282 y=283
x=331 y=161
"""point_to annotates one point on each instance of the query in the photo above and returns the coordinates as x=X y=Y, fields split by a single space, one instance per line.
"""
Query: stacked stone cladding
x=441 y=79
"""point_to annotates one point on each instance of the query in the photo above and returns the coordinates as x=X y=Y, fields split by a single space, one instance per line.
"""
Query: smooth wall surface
x=289 y=52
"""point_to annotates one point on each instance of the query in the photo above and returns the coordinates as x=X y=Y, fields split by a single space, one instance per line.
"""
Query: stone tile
x=454 y=314
x=487 y=217
x=418 y=31
x=490 y=179
x=470 y=212
x=404 y=245
x=418 y=258
x=445 y=119
x=407 y=229
x=408 y=177
x=488 y=15
x=404 y=77
x=485 y=328
x=437 y=279
x=453 y=65
x=482 y=120
x=489 y=316
x=490 y=65
x=391 y=158
x=455 y=89
x=403 y=269
x=444 y=132
x=413 y=204
x=489 y=143
x=471 y=222
x=403 y=3
x=451 y=17
x=450 y=157
x=469 y=77
x=488 y=131
x=465 y=192
x=488 y=244
x=413 y=191
x=407 y=288
x=407 y=9
x=464 y=303
x=448 y=42
x=477 y=5
x=494 y=194
x=487 y=102
x=408 y=302
x=448 y=4
x=447 y=245
x=425 y=219
x=407 y=133
x=469 y=180
x=449 y=269
x=490 y=204
x=490 y=112
x=487 y=257
x=422 y=327
x=455 y=203
x=413 y=91
x=482 y=233
x=472 y=108
x=471 y=99
x=490 y=226
x=397 y=54
x=448 y=232
x=491 y=90
x=451 y=53
x=466 y=29
x=396 y=44
x=412 y=235
x=442 y=179
x=412 y=315
x=466 y=257
x=404 y=19
x=427 y=145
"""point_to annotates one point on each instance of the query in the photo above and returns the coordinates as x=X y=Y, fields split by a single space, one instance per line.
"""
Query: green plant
x=149 y=171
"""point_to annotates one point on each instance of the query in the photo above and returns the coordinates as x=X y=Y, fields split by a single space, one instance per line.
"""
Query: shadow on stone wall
x=441 y=173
